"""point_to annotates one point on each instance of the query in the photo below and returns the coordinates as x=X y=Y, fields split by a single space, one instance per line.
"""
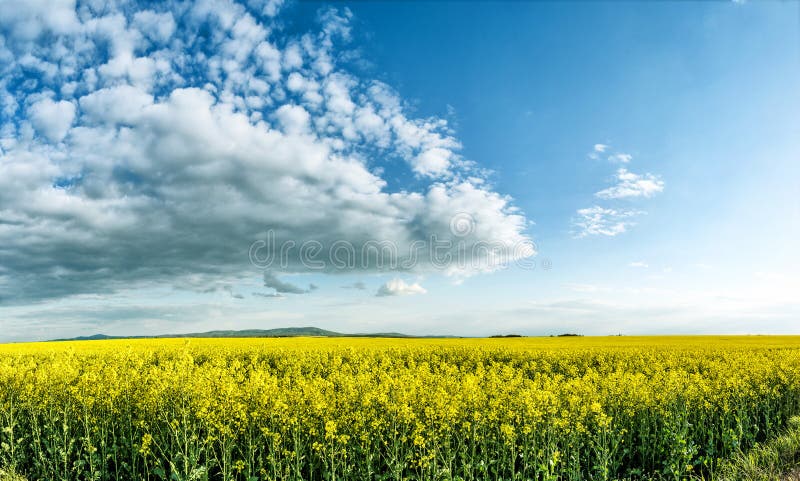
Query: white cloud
x=638 y=264
x=620 y=158
x=337 y=94
x=156 y=26
x=292 y=57
x=372 y=126
x=52 y=119
x=32 y=18
x=598 y=220
x=271 y=7
x=597 y=150
x=268 y=59
x=433 y=162
x=294 y=119
x=632 y=185
x=398 y=287
x=296 y=82
x=123 y=104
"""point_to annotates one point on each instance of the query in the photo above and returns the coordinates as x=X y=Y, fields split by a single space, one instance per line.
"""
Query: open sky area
x=427 y=167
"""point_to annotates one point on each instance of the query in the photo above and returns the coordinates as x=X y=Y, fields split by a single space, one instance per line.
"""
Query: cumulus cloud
x=157 y=27
x=630 y=184
x=398 y=287
x=52 y=119
x=31 y=19
x=120 y=105
x=432 y=162
x=177 y=153
x=598 y=220
x=356 y=285
x=293 y=118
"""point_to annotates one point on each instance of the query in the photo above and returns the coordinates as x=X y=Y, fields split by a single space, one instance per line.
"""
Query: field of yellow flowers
x=375 y=409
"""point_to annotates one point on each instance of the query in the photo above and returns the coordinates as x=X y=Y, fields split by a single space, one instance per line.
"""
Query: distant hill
x=279 y=332
x=95 y=337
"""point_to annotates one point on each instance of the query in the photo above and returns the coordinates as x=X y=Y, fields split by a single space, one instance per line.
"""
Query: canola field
x=391 y=409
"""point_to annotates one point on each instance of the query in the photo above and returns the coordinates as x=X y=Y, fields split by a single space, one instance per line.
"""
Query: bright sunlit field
x=351 y=408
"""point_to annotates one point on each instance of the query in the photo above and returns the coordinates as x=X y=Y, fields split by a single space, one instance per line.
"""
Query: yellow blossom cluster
x=391 y=409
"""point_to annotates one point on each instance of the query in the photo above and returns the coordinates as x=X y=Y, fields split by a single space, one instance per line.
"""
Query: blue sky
x=650 y=151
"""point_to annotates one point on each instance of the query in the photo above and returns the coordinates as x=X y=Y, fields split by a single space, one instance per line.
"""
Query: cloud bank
x=151 y=144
